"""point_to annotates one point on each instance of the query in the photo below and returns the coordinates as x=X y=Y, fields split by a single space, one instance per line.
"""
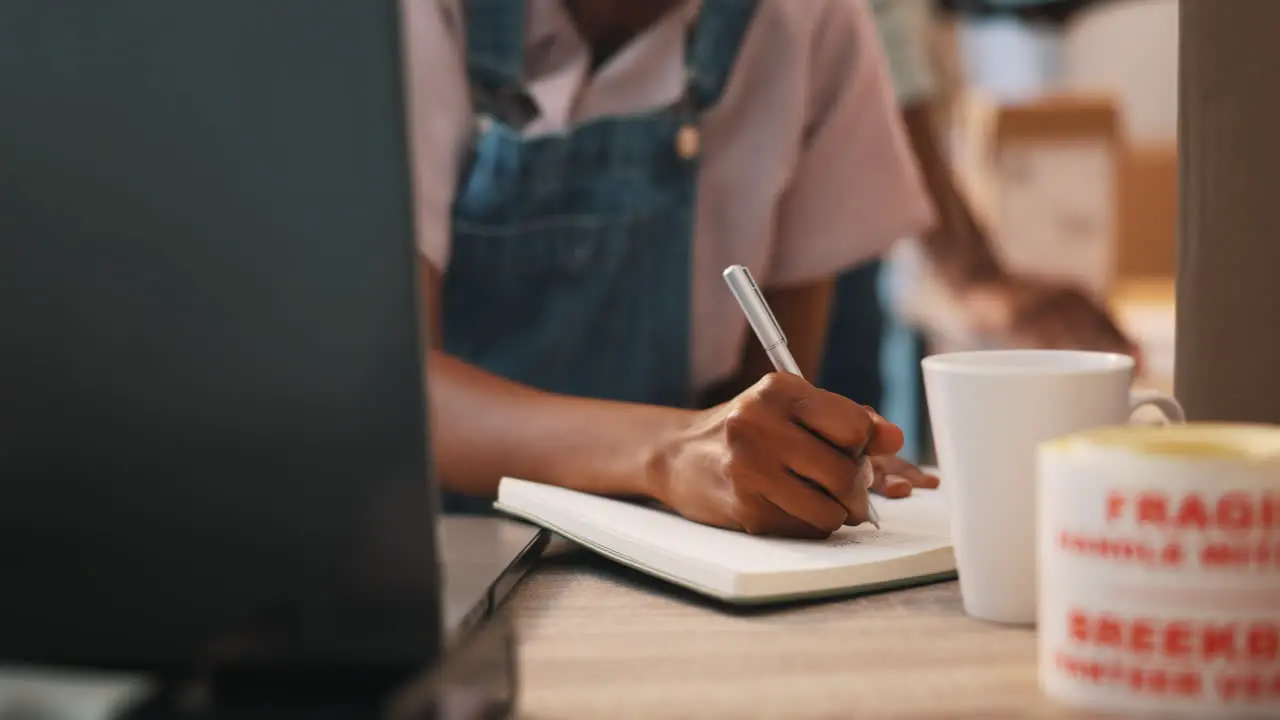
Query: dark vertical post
x=1228 y=343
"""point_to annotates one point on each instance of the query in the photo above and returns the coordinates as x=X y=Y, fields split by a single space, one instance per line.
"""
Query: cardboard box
x=1079 y=202
x=1058 y=167
x=1147 y=228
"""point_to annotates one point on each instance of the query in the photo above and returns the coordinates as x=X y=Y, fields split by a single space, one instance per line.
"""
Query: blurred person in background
x=1021 y=311
x=1012 y=47
x=584 y=171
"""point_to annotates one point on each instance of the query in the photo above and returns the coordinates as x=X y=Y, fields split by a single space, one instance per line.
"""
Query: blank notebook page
x=910 y=526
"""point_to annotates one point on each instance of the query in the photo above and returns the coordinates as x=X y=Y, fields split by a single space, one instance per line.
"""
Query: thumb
x=886 y=438
x=859 y=504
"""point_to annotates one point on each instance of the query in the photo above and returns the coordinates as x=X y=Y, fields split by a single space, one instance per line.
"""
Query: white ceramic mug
x=989 y=410
x=1159 y=564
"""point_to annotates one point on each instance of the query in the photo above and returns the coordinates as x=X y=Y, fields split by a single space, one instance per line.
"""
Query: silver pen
x=767 y=329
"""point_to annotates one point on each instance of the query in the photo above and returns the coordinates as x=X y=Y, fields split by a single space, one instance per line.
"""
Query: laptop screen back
x=212 y=436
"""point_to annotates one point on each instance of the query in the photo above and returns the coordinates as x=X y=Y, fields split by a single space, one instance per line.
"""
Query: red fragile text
x=1163 y=555
x=1238 y=555
x=1229 y=512
x=1262 y=556
x=1181 y=683
x=1249 y=687
x=1148 y=681
x=1253 y=643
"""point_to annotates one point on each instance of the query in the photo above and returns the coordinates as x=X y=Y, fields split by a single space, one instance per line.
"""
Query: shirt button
x=688 y=142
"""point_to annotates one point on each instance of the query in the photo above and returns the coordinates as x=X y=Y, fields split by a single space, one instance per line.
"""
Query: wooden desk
x=600 y=641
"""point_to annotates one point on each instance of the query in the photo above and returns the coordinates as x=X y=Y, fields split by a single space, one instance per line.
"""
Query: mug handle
x=1165 y=403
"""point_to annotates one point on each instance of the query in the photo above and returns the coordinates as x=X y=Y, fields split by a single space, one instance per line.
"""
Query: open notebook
x=913 y=547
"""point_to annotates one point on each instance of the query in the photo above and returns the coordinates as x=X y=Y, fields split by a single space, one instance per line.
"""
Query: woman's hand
x=1039 y=314
x=896 y=478
x=775 y=460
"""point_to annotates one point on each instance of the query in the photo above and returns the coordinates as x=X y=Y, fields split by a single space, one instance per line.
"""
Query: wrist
x=613 y=449
x=658 y=452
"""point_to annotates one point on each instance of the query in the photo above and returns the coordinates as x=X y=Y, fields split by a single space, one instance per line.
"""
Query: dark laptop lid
x=212 y=439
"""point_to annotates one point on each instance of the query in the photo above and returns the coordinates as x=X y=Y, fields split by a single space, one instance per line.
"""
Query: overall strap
x=713 y=48
x=495 y=43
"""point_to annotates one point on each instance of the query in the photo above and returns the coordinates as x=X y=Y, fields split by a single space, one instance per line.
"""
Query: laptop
x=213 y=437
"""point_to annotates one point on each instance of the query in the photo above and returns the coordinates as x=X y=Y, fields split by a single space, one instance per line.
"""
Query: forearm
x=957 y=246
x=484 y=427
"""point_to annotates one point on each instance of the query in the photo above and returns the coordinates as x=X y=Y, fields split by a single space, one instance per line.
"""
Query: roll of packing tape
x=1159 y=570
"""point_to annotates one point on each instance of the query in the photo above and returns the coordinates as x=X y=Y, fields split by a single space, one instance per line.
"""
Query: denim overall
x=572 y=253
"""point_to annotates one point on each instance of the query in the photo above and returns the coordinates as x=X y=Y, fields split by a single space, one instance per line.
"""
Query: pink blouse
x=806 y=169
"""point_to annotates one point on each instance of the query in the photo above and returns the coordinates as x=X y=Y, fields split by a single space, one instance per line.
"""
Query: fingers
x=772 y=521
x=1053 y=320
x=813 y=458
x=1044 y=314
x=886 y=437
x=791 y=461
x=791 y=457
x=837 y=419
x=851 y=429
x=1065 y=318
x=896 y=478
x=769 y=500
x=803 y=501
x=860 y=509
x=794 y=471
x=893 y=486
